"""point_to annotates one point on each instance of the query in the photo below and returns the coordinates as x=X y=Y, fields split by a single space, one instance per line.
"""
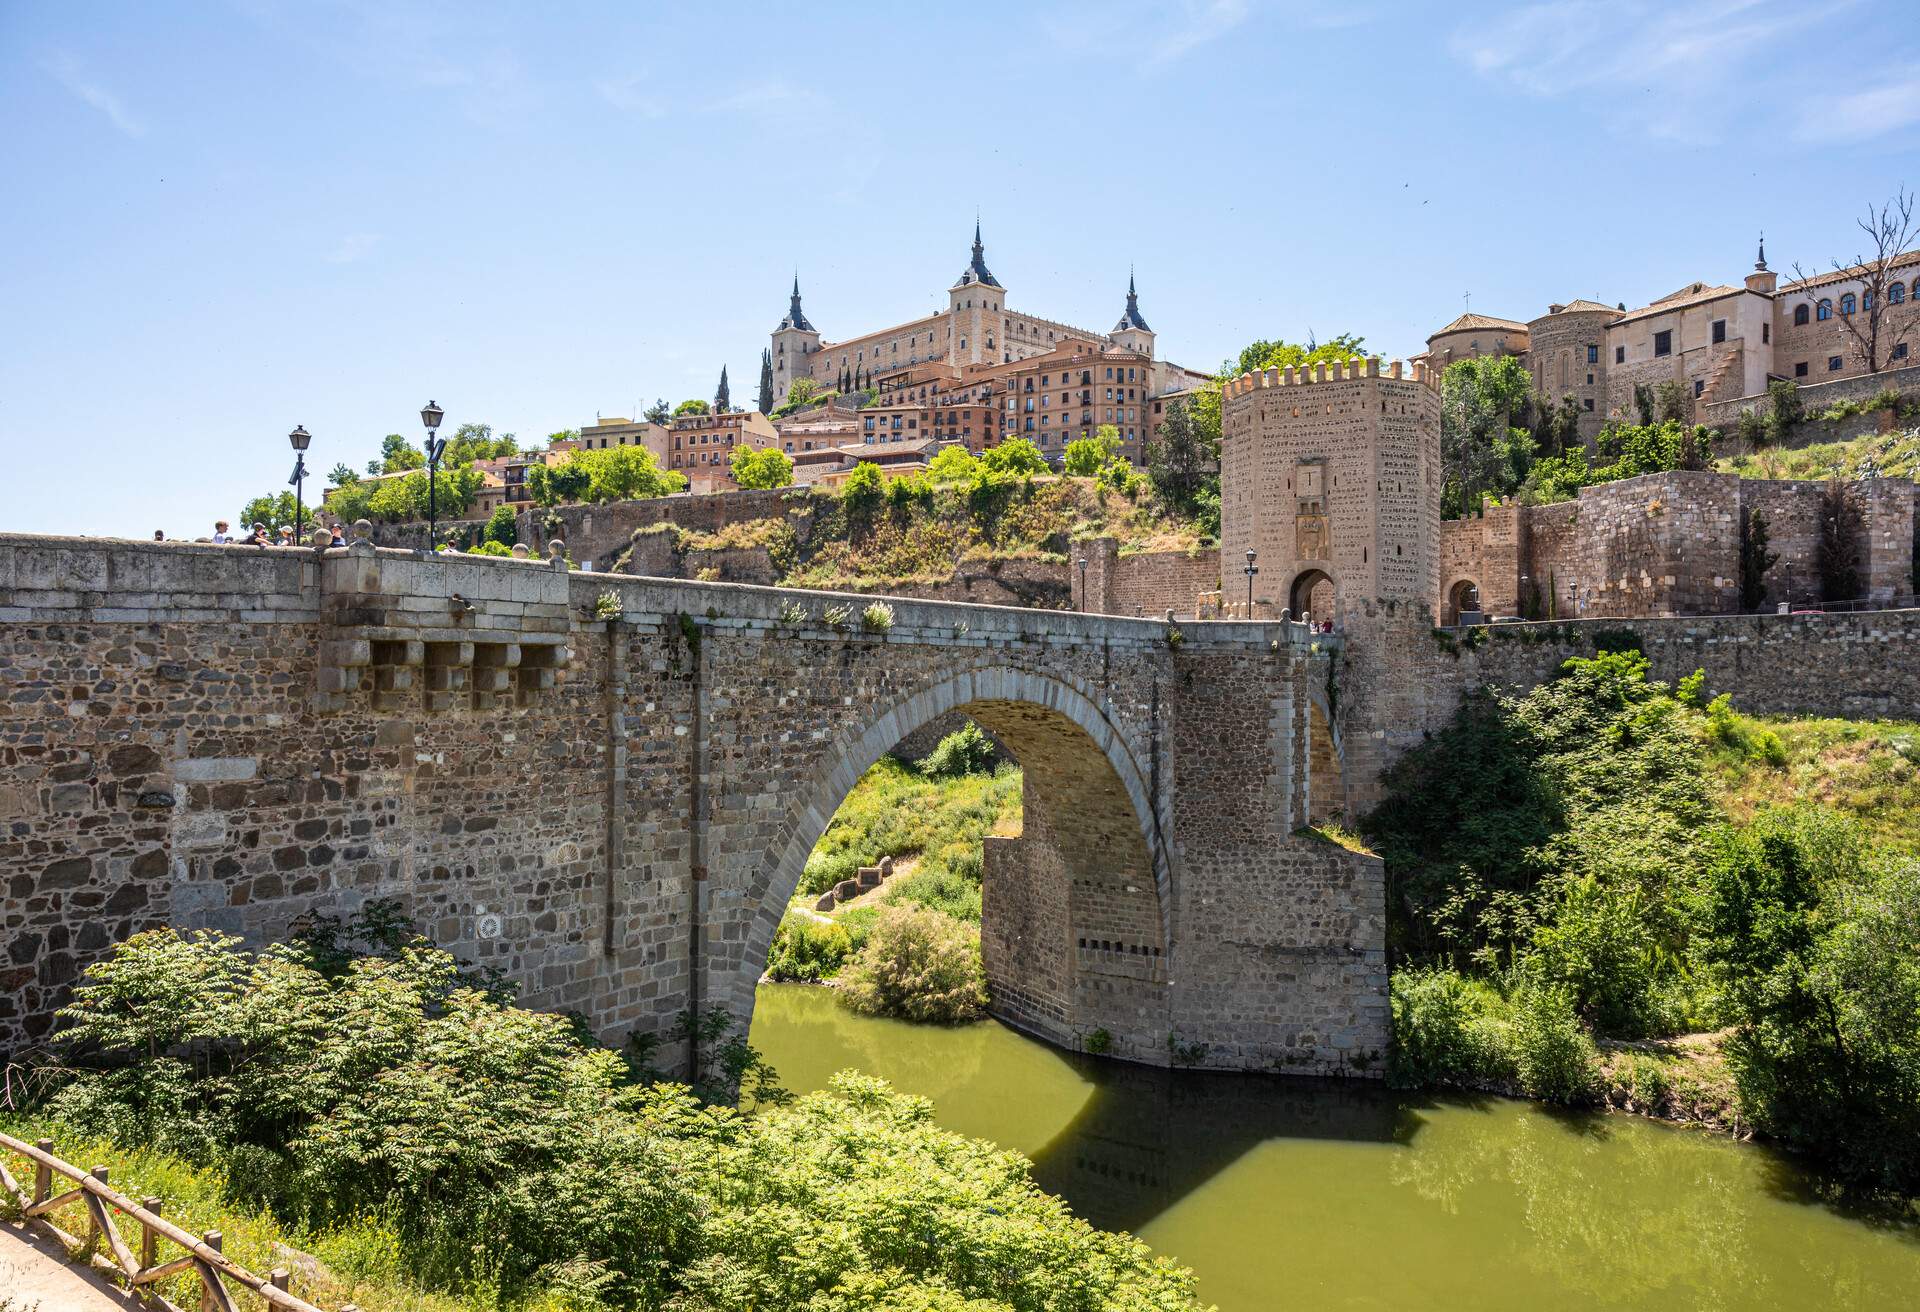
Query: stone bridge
x=608 y=787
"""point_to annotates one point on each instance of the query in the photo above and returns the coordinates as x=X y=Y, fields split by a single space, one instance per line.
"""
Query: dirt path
x=35 y=1276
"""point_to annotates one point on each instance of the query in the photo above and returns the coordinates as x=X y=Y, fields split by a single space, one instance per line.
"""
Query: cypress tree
x=765 y=402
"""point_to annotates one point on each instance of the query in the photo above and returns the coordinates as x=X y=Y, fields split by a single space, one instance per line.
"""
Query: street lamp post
x=1250 y=571
x=1525 y=584
x=299 y=438
x=430 y=416
x=1083 y=583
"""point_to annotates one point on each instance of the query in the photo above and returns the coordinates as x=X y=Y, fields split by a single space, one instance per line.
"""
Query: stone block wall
x=1814 y=397
x=1669 y=544
x=1146 y=583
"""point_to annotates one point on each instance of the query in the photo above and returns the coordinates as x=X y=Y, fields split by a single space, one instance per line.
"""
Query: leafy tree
x=1627 y=451
x=502 y=527
x=1014 y=455
x=802 y=390
x=765 y=468
x=1481 y=451
x=1755 y=559
x=692 y=407
x=351 y=501
x=1087 y=456
x=402 y=499
x=862 y=493
x=1182 y=460
x=275 y=509
x=396 y=454
x=658 y=412
x=622 y=473
x=1810 y=947
x=564 y=483
x=967 y=750
x=1643 y=403
x=342 y=474
x=564 y=435
x=1279 y=354
x=952 y=464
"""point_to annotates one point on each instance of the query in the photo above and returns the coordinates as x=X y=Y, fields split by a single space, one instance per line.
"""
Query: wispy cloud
x=1690 y=53
x=1193 y=24
x=1859 y=115
x=67 y=71
x=353 y=247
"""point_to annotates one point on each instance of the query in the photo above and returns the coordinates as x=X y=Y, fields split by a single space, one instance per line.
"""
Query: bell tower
x=794 y=344
x=976 y=304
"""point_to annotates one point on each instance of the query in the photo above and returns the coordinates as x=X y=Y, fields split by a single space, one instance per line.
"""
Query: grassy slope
x=1890 y=455
x=360 y=1263
x=1866 y=769
x=896 y=811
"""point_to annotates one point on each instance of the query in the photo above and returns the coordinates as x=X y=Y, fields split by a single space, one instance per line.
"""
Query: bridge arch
x=1077 y=910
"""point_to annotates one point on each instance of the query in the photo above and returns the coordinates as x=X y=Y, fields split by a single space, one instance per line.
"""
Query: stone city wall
x=1669 y=544
x=1815 y=397
x=1146 y=583
x=1399 y=680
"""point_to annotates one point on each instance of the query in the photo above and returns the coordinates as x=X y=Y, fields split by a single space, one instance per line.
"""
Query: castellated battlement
x=1337 y=371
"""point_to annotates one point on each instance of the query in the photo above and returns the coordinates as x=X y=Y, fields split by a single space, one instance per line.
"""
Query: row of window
x=1836 y=363
x=1823 y=308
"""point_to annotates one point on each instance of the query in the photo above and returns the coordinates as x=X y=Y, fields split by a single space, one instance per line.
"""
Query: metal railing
x=139 y=1270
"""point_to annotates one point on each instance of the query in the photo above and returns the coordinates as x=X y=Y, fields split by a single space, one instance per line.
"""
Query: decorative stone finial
x=362 y=543
x=320 y=539
x=557 y=553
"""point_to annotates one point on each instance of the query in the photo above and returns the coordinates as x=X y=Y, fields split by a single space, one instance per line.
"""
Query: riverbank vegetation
x=1586 y=879
x=382 y=1108
x=912 y=947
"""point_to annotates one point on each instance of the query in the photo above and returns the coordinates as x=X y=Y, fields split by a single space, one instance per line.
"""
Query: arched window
x=1800 y=314
x=1846 y=303
x=1896 y=294
x=1825 y=311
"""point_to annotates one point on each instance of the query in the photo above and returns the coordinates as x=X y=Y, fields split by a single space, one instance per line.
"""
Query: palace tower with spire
x=975 y=330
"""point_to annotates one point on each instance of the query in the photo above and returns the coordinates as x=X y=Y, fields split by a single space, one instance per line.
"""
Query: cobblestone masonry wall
x=1669 y=544
x=1815 y=397
x=1398 y=682
x=1148 y=583
x=616 y=811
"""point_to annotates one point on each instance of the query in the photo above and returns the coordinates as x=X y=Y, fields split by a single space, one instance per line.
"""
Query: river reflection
x=1333 y=1194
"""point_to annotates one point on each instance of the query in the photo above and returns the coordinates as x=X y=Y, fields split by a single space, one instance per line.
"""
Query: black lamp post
x=1083 y=583
x=1250 y=571
x=299 y=438
x=430 y=416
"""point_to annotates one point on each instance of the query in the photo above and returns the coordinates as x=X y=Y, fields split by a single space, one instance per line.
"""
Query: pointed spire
x=1761 y=263
x=796 y=317
x=976 y=270
x=1130 y=317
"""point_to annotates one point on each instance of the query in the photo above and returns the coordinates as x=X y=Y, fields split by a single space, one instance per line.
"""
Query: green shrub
x=1811 y=947
x=505 y=1155
x=917 y=965
x=1600 y=942
x=1443 y=1033
x=967 y=750
x=1552 y=1054
x=806 y=950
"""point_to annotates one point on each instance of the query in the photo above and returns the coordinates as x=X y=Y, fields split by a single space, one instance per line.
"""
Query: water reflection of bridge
x=1149 y=1137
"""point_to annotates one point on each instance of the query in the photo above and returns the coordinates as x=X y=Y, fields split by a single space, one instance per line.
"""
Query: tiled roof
x=1470 y=321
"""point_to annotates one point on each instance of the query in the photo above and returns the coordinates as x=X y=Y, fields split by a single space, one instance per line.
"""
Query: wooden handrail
x=203 y=1252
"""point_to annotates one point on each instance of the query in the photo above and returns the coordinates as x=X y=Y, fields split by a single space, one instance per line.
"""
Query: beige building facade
x=1720 y=342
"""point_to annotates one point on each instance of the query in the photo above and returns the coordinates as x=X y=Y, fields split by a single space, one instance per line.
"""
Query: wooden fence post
x=278 y=1278
x=94 y=1237
x=42 y=1173
x=208 y=1276
x=149 y=1245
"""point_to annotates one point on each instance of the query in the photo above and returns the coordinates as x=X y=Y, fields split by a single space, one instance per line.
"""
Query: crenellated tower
x=1331 y=474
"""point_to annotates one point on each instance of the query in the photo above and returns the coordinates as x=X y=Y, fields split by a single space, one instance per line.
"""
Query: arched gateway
x=1075 y=911
x=606 y=788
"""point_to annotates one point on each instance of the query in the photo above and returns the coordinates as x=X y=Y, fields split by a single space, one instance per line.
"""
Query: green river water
x=1316 y=1194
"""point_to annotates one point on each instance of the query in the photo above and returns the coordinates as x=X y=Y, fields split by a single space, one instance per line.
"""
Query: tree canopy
x=767 y=467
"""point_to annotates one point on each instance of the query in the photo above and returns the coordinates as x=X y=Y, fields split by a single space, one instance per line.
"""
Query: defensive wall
x=1669 y=544
x=608 y=787
x=1399 y=679
x=1815 y=397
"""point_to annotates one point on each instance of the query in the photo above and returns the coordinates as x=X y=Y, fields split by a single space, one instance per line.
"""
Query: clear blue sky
x=225 y=219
